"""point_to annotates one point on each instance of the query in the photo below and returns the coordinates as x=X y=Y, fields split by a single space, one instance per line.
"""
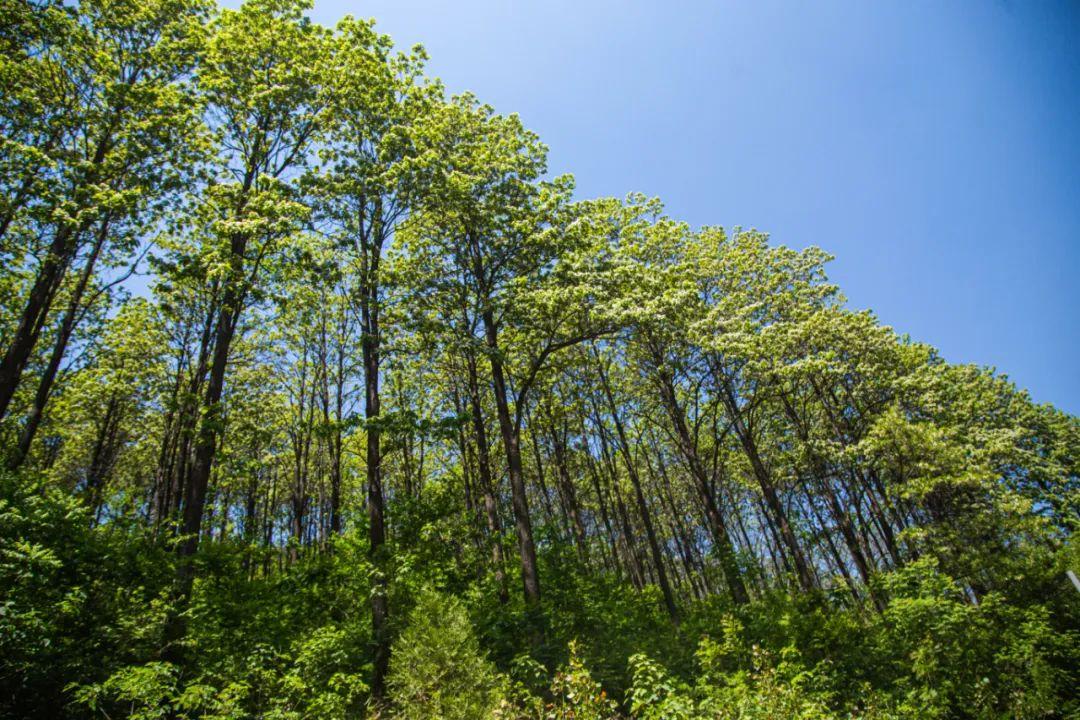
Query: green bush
x=437 y=669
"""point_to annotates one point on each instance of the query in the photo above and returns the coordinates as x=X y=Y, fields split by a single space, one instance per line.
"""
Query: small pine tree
x=438 y=670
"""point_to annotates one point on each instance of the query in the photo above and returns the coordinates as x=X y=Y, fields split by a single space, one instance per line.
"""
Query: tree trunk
x=376 y=499
x=724 y=547
x=768 y=490
x=50 y=276
x=511 y=435
x=491 y=508
x=205 y=448
x=643 y=508
x=336 y=441
x=34 y=314
x=63 y=335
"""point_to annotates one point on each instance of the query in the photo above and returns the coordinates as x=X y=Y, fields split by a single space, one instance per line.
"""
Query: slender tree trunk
x=569 y=494
x=63 y=335
x=563 y=522
x=643 y=508
x=336 y=441
x=530 y=574
x=50 y=276
x=633 y=557
x=839 y=514
x=487 y=487
x=205 y=449
x=605 y=515
x=376 y=498
x=163 y=479
x=101 y=457
x=684 y=544
x=722 y=539
x=768 y=490
x=35 y=313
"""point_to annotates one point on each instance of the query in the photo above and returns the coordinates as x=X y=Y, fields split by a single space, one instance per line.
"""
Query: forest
x=321 y=398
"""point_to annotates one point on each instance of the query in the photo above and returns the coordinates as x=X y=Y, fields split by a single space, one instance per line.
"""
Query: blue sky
x=932 y=147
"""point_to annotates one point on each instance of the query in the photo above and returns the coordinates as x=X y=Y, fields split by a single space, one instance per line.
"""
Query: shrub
x=437 y=669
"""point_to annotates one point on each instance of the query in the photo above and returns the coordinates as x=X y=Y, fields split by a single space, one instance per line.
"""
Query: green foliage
x=655 y=695
x=265 y=649
x=76 y=602
x=988 y=660
x=437 y=669
x=270 y=647
x=931 y=653
x=576 y=695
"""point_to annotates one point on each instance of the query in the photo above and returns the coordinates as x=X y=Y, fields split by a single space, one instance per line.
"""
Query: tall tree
x=527 y=261
x=368 y=183
x=113 y=132
x=261 y=80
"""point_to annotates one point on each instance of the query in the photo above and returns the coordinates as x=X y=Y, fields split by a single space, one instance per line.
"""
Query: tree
x=663 y=297
x=260 y=78
x=526 y=261
x=439 y=670
x=367 y=185
x=120 y=137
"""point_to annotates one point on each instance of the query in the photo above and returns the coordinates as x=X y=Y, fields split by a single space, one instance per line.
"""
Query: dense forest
x=321 y=398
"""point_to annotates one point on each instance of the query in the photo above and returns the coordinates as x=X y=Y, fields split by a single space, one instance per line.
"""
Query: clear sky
x=932 y=147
